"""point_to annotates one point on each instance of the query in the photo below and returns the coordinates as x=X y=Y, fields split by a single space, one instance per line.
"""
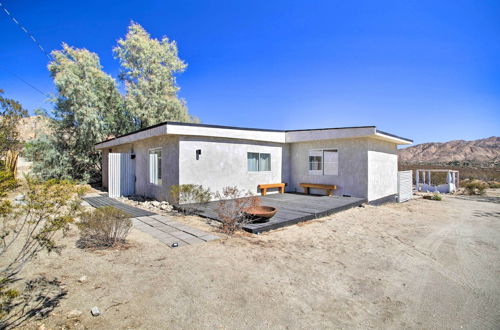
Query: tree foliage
x=11 y=111
x=148 y=68
x=89 y=108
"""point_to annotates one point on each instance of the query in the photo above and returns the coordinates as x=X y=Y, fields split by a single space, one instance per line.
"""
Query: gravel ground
x=419 y=264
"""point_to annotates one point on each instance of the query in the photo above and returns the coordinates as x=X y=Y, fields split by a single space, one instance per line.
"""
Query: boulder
x=95 y=311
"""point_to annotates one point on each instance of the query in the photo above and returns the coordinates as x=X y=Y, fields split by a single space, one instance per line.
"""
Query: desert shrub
x=28 y=227
x=186 y=196
x=434 y=197
x=231 y=208
x=104 y=227
x=494 y=184
x=475 y=187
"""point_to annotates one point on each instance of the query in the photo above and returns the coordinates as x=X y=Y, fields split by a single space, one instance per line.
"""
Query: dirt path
x=420 y=264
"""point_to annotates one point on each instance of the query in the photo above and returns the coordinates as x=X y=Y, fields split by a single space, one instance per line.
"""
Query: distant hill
x=30 y=128
x=484 y=152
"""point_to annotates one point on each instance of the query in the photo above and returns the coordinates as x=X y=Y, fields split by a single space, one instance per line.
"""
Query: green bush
x=476 y=187
x=185 y=195
x=437 y=197
x=104 y=227
x=434 y=197
x=189 y=193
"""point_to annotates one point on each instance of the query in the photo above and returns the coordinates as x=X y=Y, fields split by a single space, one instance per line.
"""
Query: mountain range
x=483 y=151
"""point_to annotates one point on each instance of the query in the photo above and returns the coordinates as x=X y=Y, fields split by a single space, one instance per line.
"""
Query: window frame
x=158 y=180
x=320 y=153
x=259 y=162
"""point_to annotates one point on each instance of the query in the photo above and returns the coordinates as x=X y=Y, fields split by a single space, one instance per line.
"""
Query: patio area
x=292 y=209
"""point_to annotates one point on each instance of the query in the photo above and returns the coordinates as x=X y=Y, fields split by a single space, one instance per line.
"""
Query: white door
x=121 y=174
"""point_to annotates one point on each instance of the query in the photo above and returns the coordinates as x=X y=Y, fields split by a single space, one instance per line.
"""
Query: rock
x=167 y=208
x=95 y=311
x=155 y=203
x=20 y=198
x=75 y=313
x=82 y=279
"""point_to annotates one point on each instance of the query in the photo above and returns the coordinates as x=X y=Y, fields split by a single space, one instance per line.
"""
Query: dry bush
x=27 y=228
x=104 y=227
x=187 y=197
x=231 y=208
x=494 y=184
x=475 y=187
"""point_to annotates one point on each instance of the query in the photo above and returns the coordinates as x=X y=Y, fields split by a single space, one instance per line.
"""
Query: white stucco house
x=360 y=161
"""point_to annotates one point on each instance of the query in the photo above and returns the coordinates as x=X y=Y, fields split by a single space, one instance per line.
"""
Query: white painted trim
x=389 y=138
x=253 y=134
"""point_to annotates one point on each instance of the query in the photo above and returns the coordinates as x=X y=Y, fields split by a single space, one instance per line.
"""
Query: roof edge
x=394 y=136
x=250 y=129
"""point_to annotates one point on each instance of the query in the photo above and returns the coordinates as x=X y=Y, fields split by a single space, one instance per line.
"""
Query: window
x=330 y=162
x=323 y=162
x=258 y=162
x=155 y=166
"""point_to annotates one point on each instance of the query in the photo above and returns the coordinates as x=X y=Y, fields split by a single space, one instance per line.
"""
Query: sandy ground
x=420 y=264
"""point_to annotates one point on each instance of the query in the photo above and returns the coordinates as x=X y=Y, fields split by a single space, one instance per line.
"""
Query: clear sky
x=426 y=70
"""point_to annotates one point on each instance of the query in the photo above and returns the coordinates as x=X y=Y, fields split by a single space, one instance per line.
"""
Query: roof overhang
x=391 y=138
x=252 y=134
x=187 y=129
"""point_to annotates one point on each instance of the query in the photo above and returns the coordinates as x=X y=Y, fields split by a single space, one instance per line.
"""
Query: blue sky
x=426 y=70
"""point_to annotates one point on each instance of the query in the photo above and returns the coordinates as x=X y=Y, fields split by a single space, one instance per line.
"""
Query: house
x=360 y=161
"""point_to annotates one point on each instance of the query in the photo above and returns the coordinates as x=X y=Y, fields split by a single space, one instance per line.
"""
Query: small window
x=155 y=166
x=258 y=162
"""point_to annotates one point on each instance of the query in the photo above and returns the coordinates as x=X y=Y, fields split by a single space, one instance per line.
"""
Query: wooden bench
x=328 y=187
x=263 y=187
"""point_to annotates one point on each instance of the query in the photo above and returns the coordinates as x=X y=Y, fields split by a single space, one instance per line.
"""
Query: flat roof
x=262 y=137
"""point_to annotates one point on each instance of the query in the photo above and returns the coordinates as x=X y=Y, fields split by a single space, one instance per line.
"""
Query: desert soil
x=419 y=264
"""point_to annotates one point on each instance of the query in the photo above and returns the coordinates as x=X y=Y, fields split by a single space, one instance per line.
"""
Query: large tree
x=148 y=68
x=87 y=109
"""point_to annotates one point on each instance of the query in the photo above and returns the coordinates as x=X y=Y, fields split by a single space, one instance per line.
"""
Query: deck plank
x=292 y=209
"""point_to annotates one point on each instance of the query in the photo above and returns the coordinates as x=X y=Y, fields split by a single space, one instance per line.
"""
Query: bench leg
x=306 y=190
x=328 y=192
x=263 y=191
x=282 y=190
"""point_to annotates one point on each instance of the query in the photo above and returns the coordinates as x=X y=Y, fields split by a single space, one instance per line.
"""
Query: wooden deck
x=292 y=209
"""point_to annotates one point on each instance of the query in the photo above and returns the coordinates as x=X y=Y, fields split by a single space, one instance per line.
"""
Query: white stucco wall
x=223 y=162
x=367 y=166
x=353 y=168
x=382 y=169
x=170 y=165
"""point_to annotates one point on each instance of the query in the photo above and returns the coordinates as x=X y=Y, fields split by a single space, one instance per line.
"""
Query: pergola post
x=416 y=180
